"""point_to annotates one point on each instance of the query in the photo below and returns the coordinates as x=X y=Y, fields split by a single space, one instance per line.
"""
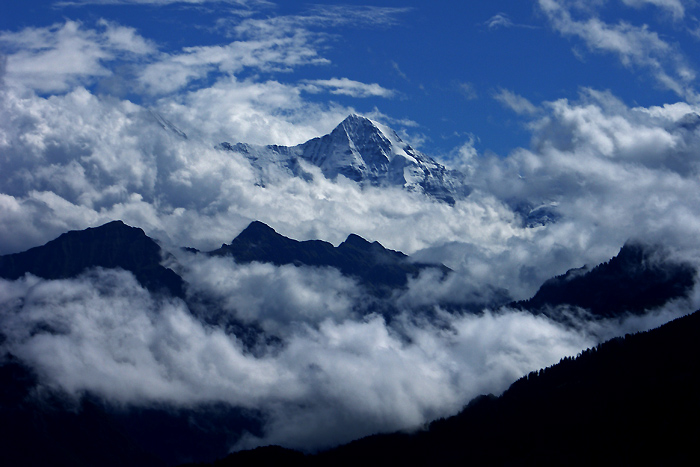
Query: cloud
x=500 y=20
x=635 y=46
x=347 y=87
x=399 y=72
x=174 y=72
x=468 y=91
x=674 y=7
x=272 y=297
x=503 y=20
x=516 y=103
x=326 y=382
x=368 y=16
x=77 y=160
x=62 y=56
x=159 y=2
x=103 y=333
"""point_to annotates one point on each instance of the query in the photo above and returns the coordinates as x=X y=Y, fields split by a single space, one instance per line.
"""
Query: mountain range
x=660 y=368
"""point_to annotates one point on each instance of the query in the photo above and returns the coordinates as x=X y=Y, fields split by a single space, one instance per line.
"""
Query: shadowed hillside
x=112 y=245
x=629 y=401
x=637 y=279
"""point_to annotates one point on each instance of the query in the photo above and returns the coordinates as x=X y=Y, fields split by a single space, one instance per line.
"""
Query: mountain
x=366 y=152
x=376 y=267
x=639 y=278
x=43 y=426
x=629 y=401
x=112 y=245
x=632 y=397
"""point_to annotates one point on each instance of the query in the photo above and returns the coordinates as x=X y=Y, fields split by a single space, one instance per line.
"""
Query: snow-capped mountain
x=366 y=152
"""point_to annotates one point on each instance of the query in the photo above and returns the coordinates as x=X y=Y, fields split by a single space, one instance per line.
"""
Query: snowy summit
x=365 y=152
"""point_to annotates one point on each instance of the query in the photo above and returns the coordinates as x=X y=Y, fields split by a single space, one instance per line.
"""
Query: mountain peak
x=257 y=229
x=357 y=121
x=364 y=151
x=111 y=245
x=361 y=130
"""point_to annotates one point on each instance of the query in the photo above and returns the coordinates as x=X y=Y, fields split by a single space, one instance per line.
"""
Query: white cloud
x=516 y=103
x=468 y=91
x=323 y=385
x=500 y=20
x=635 y=46
x=274 y=297
x=347 y=87
x=59 y=57
x=328 y=381
x=75 y=161
x=674 y=7
x=160 y=2
x=174 y=72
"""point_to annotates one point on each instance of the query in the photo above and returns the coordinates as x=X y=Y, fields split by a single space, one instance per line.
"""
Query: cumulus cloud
x=61 y=56
x=121 y=163
x=273 y=297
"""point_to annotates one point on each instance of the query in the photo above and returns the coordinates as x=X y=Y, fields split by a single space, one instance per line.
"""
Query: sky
x=444 y=73
x=114 y=110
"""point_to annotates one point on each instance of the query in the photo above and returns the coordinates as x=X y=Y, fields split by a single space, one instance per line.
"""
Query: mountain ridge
x=111 y=245
x=377 y=267
x=637 y=279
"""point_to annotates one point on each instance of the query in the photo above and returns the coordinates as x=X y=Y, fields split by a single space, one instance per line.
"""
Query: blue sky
x=443 y=72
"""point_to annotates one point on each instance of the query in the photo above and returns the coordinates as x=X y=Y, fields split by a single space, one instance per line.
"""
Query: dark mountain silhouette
x=636 y=280
x=630 y=401
x=43 y=426
x=378 y=268
x=112 y=245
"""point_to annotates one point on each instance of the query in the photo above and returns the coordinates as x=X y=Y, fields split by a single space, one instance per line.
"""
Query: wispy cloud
x=500 y=20
x=516 y=103
x=635 y=46
x=347 y=87
x=504 y=21
x=674 y=7
x=159 y=2
x=467 y=90
x=398 y=71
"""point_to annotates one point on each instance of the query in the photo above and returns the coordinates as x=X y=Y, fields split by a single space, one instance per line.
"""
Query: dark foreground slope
x=45 y=426
x=629 y=401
